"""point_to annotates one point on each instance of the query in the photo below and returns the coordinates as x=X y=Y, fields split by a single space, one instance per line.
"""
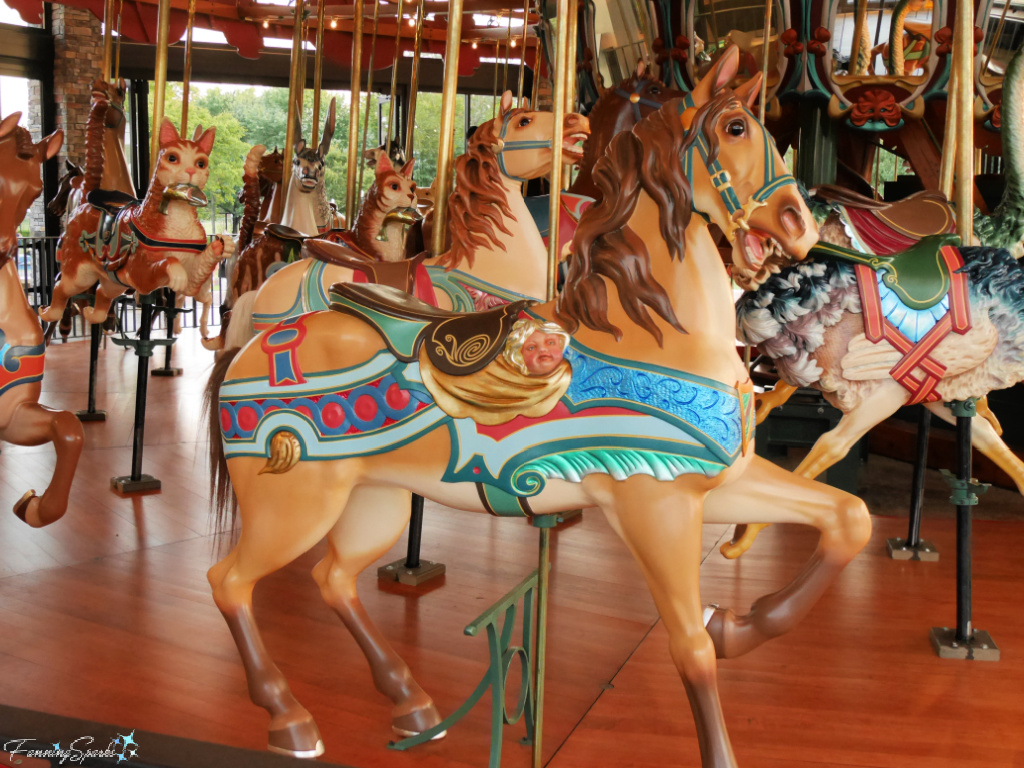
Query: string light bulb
x=513 y=42
x=266 y=24
x=474 y=45
x=334 y=23
x=412 y=22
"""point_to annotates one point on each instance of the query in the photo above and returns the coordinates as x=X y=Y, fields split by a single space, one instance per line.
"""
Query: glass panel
x=871 y=22
x=718 y=24
x=1004 y=34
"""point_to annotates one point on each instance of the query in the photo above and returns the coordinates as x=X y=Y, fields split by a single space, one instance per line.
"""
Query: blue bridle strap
x=514 y=146
x=636 y=99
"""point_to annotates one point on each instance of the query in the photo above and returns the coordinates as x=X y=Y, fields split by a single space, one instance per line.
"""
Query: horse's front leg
x=35 y=424
x=661 y=524
x=766 y=493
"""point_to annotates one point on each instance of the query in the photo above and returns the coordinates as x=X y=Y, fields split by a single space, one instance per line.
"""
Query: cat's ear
x=205 y=141
x=168 y=133
x=383 y=164
x=407 y=169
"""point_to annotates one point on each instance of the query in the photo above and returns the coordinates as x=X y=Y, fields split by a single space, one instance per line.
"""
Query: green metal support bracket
x=502 y=655
x=143 y=347
x=965 y=492
x=964 y=408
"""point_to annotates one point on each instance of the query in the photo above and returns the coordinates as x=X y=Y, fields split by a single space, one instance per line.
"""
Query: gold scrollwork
x=463 y=354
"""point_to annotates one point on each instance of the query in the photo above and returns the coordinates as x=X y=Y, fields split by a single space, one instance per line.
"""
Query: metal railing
x=37 y=269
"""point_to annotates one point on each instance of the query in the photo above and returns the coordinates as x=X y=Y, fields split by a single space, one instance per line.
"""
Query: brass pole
x=163 y=33
x=570 y=77
x=394 y=78
x=538 y=59
x=443 y=184
x=522 y=53
x=414 y=84
x=186 y=76
x=540 y=650
x=117 y=50
x=508 y=55
x=494 y=95
x=108 y=38
x=995 y=38
x=351 y=191
x=369 y=94
x=949 y=141
x=318 y=70
x=764 y=57
x=860 y=20
x=559 y=83
x=294 y=96
x=963 y=62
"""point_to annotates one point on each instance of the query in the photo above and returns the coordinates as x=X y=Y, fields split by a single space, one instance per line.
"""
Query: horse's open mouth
x=763 y=256
x=572 y=153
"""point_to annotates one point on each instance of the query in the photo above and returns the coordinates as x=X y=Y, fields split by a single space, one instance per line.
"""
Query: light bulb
x=334 y=23
x=266 y=24
x=513 y=43
x=412 y=22
x=474 y=45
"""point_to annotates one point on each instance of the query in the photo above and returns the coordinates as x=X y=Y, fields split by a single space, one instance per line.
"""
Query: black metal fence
x=38 y=268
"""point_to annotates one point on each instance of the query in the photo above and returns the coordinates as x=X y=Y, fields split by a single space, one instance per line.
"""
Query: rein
x=502 y=146
x=739 y=213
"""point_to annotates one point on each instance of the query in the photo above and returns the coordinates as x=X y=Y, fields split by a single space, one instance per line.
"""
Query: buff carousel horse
x=647 y=293
x=497 y=254
x=148 y=244
x=23 y=421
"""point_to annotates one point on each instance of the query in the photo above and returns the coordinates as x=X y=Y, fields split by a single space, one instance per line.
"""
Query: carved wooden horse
x=497 y=254
x=306 y=208
x=646 y=293
x=23 y=421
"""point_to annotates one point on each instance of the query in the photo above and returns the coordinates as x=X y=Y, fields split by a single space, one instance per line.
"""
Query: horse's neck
x=17 y=320
x=299 y=209
x=322 y=206
x=274 y=205
x=519 y=262
x=701 y=295
x=115 y=165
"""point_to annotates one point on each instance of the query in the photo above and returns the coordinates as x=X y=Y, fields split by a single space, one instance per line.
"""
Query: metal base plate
x=166 y=372
x=127 y=485
x=980 y=647
x=925 y=550
x=85 y=415
x=413 y=577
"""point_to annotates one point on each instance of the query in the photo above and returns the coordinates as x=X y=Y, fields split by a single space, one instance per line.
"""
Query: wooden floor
x=107 y=616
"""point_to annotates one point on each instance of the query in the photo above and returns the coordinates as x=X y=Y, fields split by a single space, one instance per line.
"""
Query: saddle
x=919 y=275
x=400 y=275
x=110 y=201
x=457 y=343
x=111 y=244
x=282 y=232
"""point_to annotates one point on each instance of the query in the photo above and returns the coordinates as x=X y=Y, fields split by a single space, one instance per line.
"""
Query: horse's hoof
x=21 y=508
x=296 y=740
x=416 y=722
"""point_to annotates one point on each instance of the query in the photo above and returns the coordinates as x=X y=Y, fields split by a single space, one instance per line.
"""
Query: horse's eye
x=525 y=121
x=736 y=128
x=654 y=90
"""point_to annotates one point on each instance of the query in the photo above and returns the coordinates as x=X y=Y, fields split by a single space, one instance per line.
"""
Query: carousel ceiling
x=247 y=25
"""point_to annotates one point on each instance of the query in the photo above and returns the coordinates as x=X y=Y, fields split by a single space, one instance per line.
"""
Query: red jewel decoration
x=365 y=407
x=397 y=397
x=225 y=419
x=333 y=415
x=247 y=418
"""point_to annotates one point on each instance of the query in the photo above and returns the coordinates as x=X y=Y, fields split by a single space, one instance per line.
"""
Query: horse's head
x=183 y=166
x=392 y=189
x=640 y=93
x=309 y=162
x=20 y=177
x=113 y=94
x=272 y=167
x=738 y=179
x=522 y=140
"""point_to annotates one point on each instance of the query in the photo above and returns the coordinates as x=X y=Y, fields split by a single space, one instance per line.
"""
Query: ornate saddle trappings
x=407 y=275
x=110 y=201
x=113 y=243
x=920 y=275
x=456 y=343
x=282 y=232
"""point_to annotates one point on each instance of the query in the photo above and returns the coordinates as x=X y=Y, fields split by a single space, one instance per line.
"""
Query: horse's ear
x=383 y=163
x=506 y=102
x=406 y=169
x=205 y=141
x=720 y=75
x=641 y=67
x=325 y=140
x=168 y=133
x=8 y=123
x=51 y=145
x=749 y=91
x=526 y=102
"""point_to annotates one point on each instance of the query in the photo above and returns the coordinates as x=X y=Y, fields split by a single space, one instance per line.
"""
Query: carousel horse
x=154 y=243
x=491 y=230
x=270 y=176
x=488 y=414
x=377 y=234
x=306 y=207
x=23 y=421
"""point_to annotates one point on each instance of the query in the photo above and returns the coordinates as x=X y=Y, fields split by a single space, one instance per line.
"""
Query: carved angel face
x=542 y=352
x=182 y=161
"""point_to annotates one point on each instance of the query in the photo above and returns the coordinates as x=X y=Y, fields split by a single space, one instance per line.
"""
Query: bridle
x=501 y=146
x=636 y=99
x=739 y=213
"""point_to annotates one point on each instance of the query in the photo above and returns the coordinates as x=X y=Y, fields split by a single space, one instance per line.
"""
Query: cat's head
x=395 y=189
x=182 y=161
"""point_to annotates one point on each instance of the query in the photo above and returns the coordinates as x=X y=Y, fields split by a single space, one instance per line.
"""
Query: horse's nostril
x=792 y=221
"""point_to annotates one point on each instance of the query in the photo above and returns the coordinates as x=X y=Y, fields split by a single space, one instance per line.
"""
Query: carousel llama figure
x=650 y=418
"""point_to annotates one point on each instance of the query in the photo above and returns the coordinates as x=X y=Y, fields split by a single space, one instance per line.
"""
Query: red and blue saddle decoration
x=19 y=364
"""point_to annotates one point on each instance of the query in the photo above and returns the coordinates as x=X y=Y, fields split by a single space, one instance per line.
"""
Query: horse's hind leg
x=283 y=516
x=35 y=424
x=662 y=528
x=370 y=525
x=986 y=439
x=766 y=493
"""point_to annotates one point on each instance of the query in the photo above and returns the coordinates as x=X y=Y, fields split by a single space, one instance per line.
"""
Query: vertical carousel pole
x=351 y=189
x=163 y=21
x=90 y=413
x=369 y=94
x=443 y=185
x=913 y=548
x=764 y=59
x=560 y=79
x=394 y=80
x=414 y=83
x=570 y=76
x=294 y=96
x=522 y=55
x=108 y=38
x=964 y=642
x=318 y=70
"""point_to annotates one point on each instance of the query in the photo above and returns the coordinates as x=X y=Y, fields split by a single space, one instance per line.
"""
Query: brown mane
x=477 y=204
x=648 y=159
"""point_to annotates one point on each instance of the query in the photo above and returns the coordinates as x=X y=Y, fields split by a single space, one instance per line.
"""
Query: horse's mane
x=477 y=204
x=648 y=159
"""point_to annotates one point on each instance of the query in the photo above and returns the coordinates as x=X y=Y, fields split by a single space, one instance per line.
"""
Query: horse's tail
x=94 y=144
x=222 y=495
x=250 y=196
